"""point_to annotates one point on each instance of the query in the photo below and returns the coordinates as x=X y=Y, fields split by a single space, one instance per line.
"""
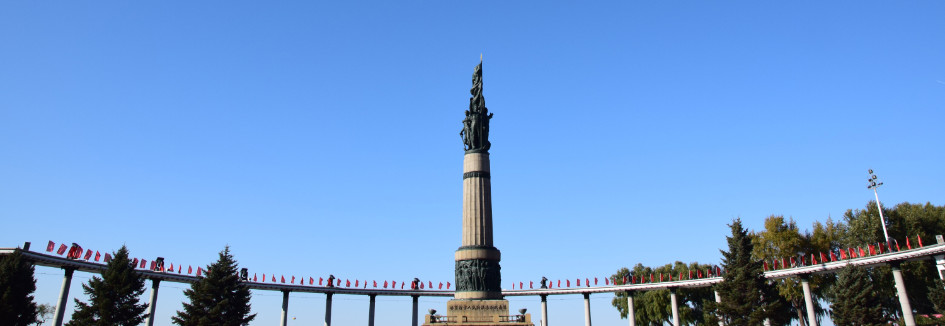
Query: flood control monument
x=478 y=300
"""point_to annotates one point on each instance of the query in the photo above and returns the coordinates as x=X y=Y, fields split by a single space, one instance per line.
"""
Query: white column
x=903 y=297
x=587 y=309
x=718 y=299
x=415 y=315
x=328 y=309
x=675 y=305
x=809 y=301
x=153 y=303
x=544 y=310
x=630 y=314
x=370 y=320
x=285 y=308
x=63 y=296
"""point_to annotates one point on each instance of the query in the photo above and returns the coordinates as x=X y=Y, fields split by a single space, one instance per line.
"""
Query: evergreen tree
x=937 y=295
x=16 y=287
x=113 y=298
x=854 y=300
x=747 y=297
x=218 y=299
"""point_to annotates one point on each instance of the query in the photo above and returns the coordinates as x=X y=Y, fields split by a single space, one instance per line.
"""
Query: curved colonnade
x=893 y=259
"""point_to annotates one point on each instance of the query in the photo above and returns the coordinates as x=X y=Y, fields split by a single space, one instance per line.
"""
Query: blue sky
x=317 y=137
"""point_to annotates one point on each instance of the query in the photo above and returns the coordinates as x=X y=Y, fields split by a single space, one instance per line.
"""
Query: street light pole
x=873 y=184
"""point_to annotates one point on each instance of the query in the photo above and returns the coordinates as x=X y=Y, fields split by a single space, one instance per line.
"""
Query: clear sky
x=323 y=137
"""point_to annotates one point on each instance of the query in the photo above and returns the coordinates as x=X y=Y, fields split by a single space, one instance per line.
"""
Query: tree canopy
x=16 y=291
x=113 y=298
x=747 y=297
x=218 y=299
x=854 y=301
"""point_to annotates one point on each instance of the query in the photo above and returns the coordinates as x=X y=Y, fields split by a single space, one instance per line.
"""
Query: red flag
x=521 y=285
x=385 y=284
x=62 y=249
x=897 y=245
x=301 y=280
x=375 y=284
x=179 y=268
x=578 y=282
x=908 y=246
x=871 y=250
x=718 y=271
x=421 y=285
x=172 y=268
x=766 y=265
x=607 y=281
x=311 y=280
x=292 y=281
x=273 y=276
x=199 y=271
x=97 y=255
x=661 y=277
x=88 y=254
x=264 y=277
x=440 y=287
x=134 y=263
x=559 y=283
x=531 y=284
x=447 y=285
x=338 y=282
x=625 y=280
x=823 y=258
x=153 y=265
x=320 y=281
x=347 y=283
x=365 y=284
x=880 y=247
x=144 y=263
x=50 y=246
x=595 y=281
x=431 y=285
x=356 y=282
x=190 y=269
x=862 y=252
x=919 y=238
x=402 y=285
x=587 y=282
x=254 y=277
x=690 y=274
x=652 y=279
x=108 y=257
x=569 y=282
x=551 y=285
x=699 y=272
x=833 y=256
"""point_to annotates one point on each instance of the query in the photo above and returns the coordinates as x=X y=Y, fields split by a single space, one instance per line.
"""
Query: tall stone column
x=477 y=261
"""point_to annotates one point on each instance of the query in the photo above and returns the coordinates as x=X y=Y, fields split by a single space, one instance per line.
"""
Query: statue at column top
x=475 y=132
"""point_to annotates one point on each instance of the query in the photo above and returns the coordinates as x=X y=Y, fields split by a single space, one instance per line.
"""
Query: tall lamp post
x=873 y=184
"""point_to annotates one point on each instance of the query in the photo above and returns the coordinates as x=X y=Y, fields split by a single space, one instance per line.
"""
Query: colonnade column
x=370 y=318
x=718 y=299
x=285 y=308
x=675 y=305
x=155 y=283
x=630 y=313
x=63 y=296
x=544 y=310
x=328 y=309
x=903 y=296
x=587 y=309
x=415 y=315
x=808 y=300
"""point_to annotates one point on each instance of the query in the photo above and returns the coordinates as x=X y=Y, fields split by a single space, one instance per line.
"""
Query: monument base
x=478 y=313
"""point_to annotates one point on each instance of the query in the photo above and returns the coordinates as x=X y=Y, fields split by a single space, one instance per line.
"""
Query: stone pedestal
x=478 y=313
